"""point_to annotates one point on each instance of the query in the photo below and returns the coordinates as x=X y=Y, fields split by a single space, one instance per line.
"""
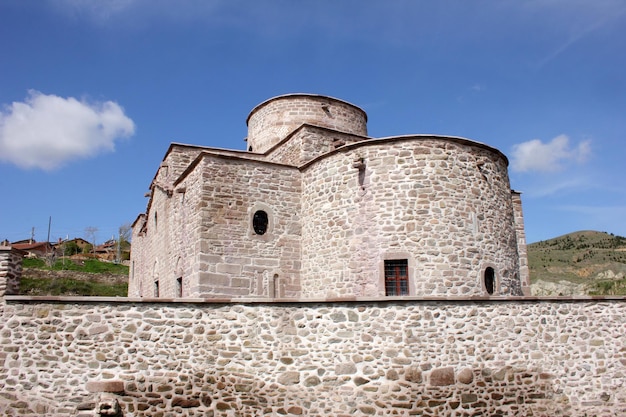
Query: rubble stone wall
x=10 y=270
x=309 y=142
x=442 y=203
x=271 y=121
x=75 y=356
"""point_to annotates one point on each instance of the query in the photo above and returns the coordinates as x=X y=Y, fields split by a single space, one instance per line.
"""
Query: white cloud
x=100 y=10
x=535 y=155
x=109 y=11
x=47 y=131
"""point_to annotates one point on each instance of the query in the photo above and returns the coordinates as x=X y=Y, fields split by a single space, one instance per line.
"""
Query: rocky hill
x=579 y=263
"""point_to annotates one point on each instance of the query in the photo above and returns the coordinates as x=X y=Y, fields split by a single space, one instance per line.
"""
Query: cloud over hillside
x=534 y=155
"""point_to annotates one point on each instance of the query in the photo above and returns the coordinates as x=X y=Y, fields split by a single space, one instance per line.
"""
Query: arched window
x=490 y=280
x=260 y=222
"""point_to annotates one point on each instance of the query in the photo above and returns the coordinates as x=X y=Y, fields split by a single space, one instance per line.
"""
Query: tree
x=123 y=242
x=125 y=232
x=90 y=233
x=71 y=248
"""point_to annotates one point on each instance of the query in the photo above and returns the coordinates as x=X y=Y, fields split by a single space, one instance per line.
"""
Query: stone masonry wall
x=10 y=270
x=307 y=143
x=274 y=119
x=72 y=357
x=441 y=203
x=233 y=259
x=522 y=249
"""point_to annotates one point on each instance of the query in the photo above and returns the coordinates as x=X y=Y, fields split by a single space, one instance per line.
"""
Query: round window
x=259 y=222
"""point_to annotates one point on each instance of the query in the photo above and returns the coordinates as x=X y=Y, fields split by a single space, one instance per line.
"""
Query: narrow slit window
x=396 y=277
x=179 y=287
x=490 y=280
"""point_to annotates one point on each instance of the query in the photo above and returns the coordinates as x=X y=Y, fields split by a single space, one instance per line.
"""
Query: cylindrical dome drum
x=274 y=119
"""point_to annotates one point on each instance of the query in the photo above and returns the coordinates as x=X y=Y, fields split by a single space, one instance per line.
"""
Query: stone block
x=442 y=376
x=185 y=402
x=413 y=374
x=105 y=386
x=233 y=269
x=213 y=280
x=347 y=368
x=466 y=376
x=289 y=378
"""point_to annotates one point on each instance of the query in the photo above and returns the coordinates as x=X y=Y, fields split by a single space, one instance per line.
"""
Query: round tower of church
x=273 y=120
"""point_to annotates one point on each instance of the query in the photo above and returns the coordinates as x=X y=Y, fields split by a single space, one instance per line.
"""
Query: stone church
x=317 y=209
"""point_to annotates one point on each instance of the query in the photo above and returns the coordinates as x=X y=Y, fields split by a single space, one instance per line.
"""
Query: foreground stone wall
x=73 y=357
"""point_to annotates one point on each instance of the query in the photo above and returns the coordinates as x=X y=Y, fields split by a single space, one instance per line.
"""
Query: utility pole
x=118 y=255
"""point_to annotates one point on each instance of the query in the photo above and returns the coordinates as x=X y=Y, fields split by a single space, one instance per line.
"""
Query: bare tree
x=125 y=233
x=123 y=242
x=90 y=233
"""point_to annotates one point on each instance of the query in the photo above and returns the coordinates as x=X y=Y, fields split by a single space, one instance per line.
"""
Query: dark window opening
x=179 y=287
x=249 y=148
x=156 y=289
x=397 y=277
x=260 y=222
x=490 y=279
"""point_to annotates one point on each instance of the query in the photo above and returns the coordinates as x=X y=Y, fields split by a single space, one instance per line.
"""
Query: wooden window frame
x=396 y=272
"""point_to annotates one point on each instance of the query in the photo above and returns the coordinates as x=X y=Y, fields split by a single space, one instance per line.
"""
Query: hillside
x=87 y=277
x=579 y=263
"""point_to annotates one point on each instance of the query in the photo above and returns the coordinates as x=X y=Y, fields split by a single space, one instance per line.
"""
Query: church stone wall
x=166 y=247
x=200 y=235
x=442 y=203
x=234 y=259
x=274 y=119
x=307 y=143
x=71 y=356
x=522 y=250
x=339 y=204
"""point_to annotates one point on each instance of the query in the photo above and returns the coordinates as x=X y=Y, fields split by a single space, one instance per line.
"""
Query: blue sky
x=93 y=92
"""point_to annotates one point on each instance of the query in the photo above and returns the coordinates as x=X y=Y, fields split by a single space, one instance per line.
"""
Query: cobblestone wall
x=74 y=357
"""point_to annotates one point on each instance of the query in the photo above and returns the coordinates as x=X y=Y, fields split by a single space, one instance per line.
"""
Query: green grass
x=609 y=288
x=68 y=286
x=90 y=265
